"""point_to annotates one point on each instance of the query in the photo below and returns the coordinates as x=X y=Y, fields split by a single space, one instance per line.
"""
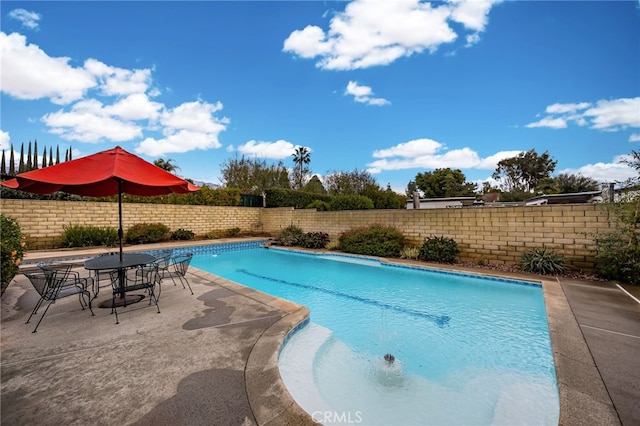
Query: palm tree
x=301 y=157
x=166 y=164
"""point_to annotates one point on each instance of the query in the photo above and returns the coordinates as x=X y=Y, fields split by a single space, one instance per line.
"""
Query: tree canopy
x=252 y=176
x=443 y=183
x=524 y=171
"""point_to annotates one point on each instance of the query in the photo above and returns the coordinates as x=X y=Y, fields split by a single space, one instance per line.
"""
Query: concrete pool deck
x=211 y=357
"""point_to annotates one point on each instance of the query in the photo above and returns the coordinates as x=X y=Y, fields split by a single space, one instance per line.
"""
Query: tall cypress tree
x=29 y=165
x=58 y=154
x=44 y=157
x=51 y=156
x=35 y=155
x=12 y=162
x=3 y=167
x=70 y=153
x=21 y=163
x=66 y=155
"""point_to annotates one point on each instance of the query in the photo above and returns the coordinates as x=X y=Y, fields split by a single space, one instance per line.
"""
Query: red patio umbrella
x=106 y=173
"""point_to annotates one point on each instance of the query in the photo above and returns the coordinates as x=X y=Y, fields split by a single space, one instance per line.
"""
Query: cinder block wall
x=491 y=235
x=44 y=221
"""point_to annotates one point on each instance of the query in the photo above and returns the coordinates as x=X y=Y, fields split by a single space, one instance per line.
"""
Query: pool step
x=296 y=366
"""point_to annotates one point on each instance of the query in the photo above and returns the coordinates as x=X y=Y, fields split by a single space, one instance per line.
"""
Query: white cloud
x=29 y=73
x=363 y=94
x=27 y=18
x=373 y=32
x=89 y=122
x=277 y=150
x=635 y=137
x=118 y=81
x=429 y=154
x=614 y=171
x=615 y=114
x=187 y=127
x=123 y=111
x=4 y=140
x=608 y=115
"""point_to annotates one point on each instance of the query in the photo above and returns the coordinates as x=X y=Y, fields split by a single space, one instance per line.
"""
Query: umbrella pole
x=120 y=231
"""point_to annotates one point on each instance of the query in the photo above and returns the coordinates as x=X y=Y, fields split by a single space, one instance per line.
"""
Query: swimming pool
x=468 y=350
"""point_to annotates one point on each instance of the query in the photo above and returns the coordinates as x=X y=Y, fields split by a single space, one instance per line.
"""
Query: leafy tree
x=548 y=185
x=349 y=183
x=570 y=183
x=524 y=171
x=315 y=186
x=166 y=164
x=385 y=199
x=301 y=158
x=444 y=183
x=253 y=176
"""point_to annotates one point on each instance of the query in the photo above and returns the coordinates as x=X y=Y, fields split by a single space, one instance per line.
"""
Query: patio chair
x=96 y=283
x=178 y=269
x=56 y=281
x=145 y=278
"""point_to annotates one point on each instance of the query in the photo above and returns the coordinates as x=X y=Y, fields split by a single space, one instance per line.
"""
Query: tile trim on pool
x=391 y=264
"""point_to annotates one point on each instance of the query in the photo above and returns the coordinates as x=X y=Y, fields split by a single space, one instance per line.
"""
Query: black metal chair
x=144 y=277
x=56 y=281
x=96 y=283
x=177 y=268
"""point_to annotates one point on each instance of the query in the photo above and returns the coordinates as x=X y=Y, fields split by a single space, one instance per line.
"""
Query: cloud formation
x=277 y=150
x=616 y=171
x=101 y=103
x=27 y=19
x=429 y=154
x=364 y=94
x=607 y=115
x=373 y=32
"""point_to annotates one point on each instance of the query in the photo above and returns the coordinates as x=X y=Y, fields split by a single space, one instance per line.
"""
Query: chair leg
x=43 y=314
x=35 y=309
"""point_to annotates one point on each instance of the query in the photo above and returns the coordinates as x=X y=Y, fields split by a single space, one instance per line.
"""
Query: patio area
x=211 y=357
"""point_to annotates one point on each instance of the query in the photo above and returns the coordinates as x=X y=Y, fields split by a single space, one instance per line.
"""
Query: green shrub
x=617 y=259
x=12 y=249
x=542 y=261
x=314 y=240
x=439 y=249
x=280 y=197
x=88 y=236
x=410 y=253
x=182 y=234
x=375 y=240
x=290 y=236
x=319 y=205
x=231 y=232
x=144 y=233
x=350 y=202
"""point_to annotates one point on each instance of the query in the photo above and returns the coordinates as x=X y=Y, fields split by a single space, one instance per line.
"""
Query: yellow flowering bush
x=13 y=247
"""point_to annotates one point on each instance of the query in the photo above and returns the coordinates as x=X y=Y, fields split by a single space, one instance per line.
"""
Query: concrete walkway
x=211 y=358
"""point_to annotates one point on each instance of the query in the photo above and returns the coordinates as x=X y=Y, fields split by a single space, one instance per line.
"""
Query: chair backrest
x=181 y=263
x=56 y=273
x=39 y=282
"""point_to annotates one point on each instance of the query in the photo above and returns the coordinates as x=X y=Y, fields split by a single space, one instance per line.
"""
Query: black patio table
x=113 y=262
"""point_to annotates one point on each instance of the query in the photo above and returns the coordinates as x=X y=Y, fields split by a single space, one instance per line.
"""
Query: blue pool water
x=468 y=350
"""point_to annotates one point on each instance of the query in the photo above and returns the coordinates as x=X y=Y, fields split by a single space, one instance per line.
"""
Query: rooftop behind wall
x=490 y=235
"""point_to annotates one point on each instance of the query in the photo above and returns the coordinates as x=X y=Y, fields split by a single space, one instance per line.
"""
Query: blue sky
x=393 y=87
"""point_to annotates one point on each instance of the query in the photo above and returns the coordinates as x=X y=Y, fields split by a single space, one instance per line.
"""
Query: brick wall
x=489 y=234
x=43 y=221
x=492 y=235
